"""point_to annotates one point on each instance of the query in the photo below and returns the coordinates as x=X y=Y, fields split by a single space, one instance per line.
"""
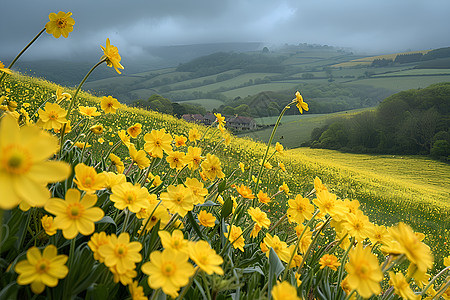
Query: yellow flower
x=116 y=161
x=60 y=24
x=88 y=180
x=206 y=258
x=263 y=197
x=330 y=261
x=178 y=199
x=41 y=269
x=136 y=291
x=220 y=120
x=159 y=215
x=75 y=215
x=280 y=247
x=121 y=253
x=124 y=137
x=194 y=135
x=127 y=195
x=24 y=168
x=109 y=105
x=284 y=291
x=318 y=185
x=378 y=234
x=112 y=179
x=255 y=231
x=206 y=219
x=234 y=235
x=245 y=192
x=259 y=217
x=211 y=167
x=97 y=240
x=284 y=187
x=447 y=261
x=281 y=166
x=97 y=129
x=417 y=252
x=81 y=145
x=174 y=241
x=364 y=273
x=139 y=157
x=168 y=270
x=279 y=148
x=89 y=111
x=328 y=204
x=156 y=141
x=193 y=157
x=52 y=117
x=176 y=159
x=242 y=166
x=198 y=191
x=112 y=56
x=299 y=209
x=357 y=225
x=135 y=130
x=125 y=278
x=60 y=96
x=401 y=286
x=299 y=102
x=180 y=140
x=48 y=225
x=3 y=69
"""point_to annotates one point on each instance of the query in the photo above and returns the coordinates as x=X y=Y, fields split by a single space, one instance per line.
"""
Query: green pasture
x=397 y=84
x=208 y=104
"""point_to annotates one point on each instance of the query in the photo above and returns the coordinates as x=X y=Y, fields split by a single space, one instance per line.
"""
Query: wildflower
x=88 y=180
x=255 y=231
x=178 y=199
x=139 y=157
x=109 y=104
x=420 y=278
x=305 y=241
x=60 y=96
x=124 y=137
x=160 y=214
x=121 y=253
x=158 y=141
x=125 y=278
x=378 y=234
x=41 y=269
x=116 y=161
x=259 y=217
x=81 y=145
x=89 y=111
x=330 y=261
x=136 y=291
x=3 y=69
x=75 y=215
x=155 y=180
x=241 y=165
x=101 y=141
x=198 y=191
x=48 y=225
x=193 y=157
x=180 y=140
x=352 y=206
x=194 y=135
x=327 y=203
x=220 y=120
x=176 y=159
x=135 y=130
x=97 y=129
x=226 y=138
x=112 y=57
x=299 y=102
x=279 y=148
x=24 y=168
x=364 y=273
x=318 y=185
x=401 y=286
x=52 y=117
x=168 y=270
x=245 y=192
x=280 y=248
x=60 y=24
x=281 y=166
x=127 y=195
x=417 y=252
x=357 y=225
x=284 y=291
x=12 y=105
x=206 y=258
x=211 y=167
x=206 y=219
x=174 y=241
x=299 y=209
x=284 y=187
x=268 y=165
x=234 y=235
x=263 y=197
x=97 y=240
x=447 y=261
x=113 y=179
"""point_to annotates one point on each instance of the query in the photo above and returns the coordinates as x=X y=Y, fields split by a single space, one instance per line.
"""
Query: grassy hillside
x=389 y=189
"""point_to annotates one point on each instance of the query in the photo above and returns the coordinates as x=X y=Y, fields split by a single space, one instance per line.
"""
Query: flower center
x=130 y=198
x=75 y=211
x=61 y=23
x=168 y=269
x=88 y=181
x=42 y=266
x=52 y=115
x=363 y=271
x=15 y=159
x=121 y=250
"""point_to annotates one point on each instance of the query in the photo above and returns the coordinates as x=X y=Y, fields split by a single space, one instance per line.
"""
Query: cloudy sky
x=134 y=25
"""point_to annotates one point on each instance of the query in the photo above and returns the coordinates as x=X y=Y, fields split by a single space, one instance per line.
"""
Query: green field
x=208 y=104
x=398 y=84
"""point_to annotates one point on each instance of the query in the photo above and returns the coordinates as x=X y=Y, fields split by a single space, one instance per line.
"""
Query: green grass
x=208 y=104
x=417 y=72
x=402 y=83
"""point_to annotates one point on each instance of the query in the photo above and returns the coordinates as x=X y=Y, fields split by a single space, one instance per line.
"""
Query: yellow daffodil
x=299 y=102
x=125 y=138
x=112 y=56
x=284 y=291
x=52 y=117
x=284 y=187
x=109 y=105
x=116 y=161
x=139 y=157
x=60 y=24
x=198 y=191
x=75 y=214
x=279 y=148
x=178 y=199
x=48 y=225
x=234 y=235
x=280 y=247
x=41 y=269
x=401 y=286
x=168 y=270
x=180 y=140
x=259 y=217
x=263 y=197
x=299 y=209
x=206 y=219
x=330 y=261
x=113 y=179
x=176 y=159
x=97 y=240
x=158 y=141
x=160 y=214
x=357 y=225
x=281 y=166
x=97 y=129
x=135 y=130
x=127 y=195
x=174 y=241
x=206 y=258
x=89 y=111
x=24 y=167
x=194 y=157
x=211 y=167
x=194 y=135
x=60 y=96
x=136 y=291
x=121 y=253
x=88 y=180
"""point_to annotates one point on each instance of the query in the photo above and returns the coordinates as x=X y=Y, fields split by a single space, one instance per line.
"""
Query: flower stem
x=22 y=52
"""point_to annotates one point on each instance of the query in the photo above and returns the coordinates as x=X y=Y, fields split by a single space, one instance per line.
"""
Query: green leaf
x=208 y=204
x=275 y=269
x=253 y=269
x=227 y=208
x=222 y=186
x=195 y=225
